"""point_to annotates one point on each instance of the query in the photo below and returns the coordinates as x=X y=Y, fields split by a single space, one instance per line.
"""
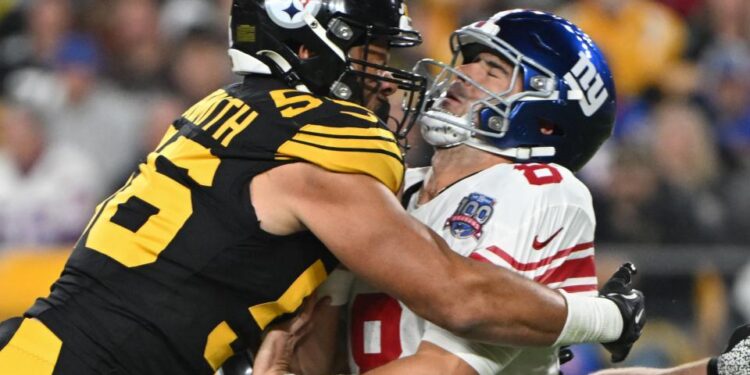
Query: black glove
x=631 y=303
x=736 y=357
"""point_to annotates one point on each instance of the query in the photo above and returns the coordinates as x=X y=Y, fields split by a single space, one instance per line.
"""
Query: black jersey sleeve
x=344 y=137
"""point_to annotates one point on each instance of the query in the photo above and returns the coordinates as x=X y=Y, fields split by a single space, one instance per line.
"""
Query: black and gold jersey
x=173 y=273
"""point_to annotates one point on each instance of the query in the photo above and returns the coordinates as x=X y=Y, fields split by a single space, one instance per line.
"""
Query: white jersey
x=534 y=219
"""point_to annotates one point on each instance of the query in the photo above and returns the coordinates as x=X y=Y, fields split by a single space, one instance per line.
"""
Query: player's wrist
x=590 y=319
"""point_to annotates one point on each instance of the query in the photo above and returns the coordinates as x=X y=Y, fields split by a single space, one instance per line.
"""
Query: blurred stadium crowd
x=89 y=86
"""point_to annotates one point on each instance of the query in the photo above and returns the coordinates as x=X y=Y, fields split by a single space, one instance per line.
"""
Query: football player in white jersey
x=527 y=99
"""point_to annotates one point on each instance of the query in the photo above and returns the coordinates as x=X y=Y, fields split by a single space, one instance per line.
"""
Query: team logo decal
x=584 y=79
x=472 y=213
x=290 y=14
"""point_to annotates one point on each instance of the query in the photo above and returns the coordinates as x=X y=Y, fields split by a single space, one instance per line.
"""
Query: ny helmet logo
x=586 y=85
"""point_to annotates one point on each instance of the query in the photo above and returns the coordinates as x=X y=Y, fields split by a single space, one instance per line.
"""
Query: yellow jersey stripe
x=349 y=131
x=292 y=298
x=347 y=103
x=218 y=345
x=383 y=165
x=368 y=116
x=350 y=144
x=372 y=137
x=34 y=349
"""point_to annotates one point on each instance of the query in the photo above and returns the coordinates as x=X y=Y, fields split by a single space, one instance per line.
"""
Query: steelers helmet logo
x=290 y=14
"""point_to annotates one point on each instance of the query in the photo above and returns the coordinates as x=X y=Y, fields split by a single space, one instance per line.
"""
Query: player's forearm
x=490 y=304
x=631 y=371
x=497 y=306
x=693 y=368
x=474 y=300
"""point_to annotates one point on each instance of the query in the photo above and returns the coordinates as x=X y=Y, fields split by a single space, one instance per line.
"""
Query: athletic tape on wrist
x=337 y=286
x=590 y=319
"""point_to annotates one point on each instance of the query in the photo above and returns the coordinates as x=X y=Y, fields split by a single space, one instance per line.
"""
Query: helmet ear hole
x=547 y=127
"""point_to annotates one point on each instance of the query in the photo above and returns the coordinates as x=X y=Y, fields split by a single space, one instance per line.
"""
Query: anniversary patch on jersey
x=472 y=213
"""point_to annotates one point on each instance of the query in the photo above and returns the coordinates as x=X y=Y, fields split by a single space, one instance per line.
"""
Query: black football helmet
x=266 y=35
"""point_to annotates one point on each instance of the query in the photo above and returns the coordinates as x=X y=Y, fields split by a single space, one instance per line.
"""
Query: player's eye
x=492 y=69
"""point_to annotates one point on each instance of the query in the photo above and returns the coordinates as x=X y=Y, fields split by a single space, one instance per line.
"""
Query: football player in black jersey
x=251 y=199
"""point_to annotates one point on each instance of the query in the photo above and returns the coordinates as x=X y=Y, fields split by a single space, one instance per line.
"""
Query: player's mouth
x=451 y=95
x=452 y=101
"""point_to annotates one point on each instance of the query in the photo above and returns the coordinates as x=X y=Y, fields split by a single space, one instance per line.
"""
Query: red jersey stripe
x=583 y=267
x=541 y=263
x=477 y=256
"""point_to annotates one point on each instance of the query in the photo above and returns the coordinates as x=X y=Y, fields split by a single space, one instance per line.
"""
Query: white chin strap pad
x=520 y=154
x=441 y=133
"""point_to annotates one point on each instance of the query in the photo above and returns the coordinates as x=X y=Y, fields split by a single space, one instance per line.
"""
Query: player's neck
x=450 y=165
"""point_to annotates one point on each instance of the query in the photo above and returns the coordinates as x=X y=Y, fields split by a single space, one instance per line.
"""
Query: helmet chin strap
x=383 y=110
x=320 y=32
x=516 y=153
x=244 y=64
x=284 y=66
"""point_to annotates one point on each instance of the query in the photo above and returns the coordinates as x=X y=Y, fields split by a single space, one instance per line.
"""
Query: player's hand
x=631 y=303
x=736 y=358
x=276 y=355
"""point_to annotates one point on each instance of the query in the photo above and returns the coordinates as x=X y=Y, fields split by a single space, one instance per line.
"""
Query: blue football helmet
x=567 y=90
